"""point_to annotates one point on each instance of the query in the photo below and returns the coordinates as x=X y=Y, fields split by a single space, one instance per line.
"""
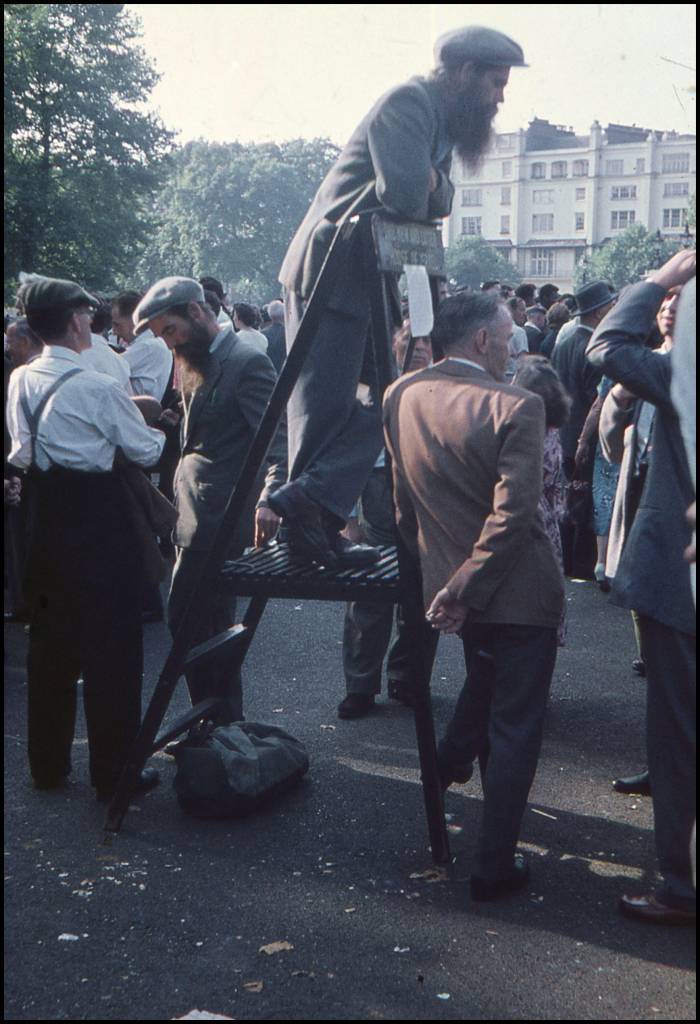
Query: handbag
x=230 y=770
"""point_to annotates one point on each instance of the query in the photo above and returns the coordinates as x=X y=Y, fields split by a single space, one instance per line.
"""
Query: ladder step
x=214 y=648
x=183 y=722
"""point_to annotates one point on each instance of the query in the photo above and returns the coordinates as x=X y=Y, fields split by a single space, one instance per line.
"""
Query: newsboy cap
x=478 y=44
x=162 y=296
x=592 y=296
x=43 y=294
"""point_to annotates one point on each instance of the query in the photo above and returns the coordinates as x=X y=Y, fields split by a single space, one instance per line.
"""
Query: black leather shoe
x=639 y=667
x=356 y=705
x=635 y=785
x=649 y=909
x=148 y=779
x=304 y=527
x=496 y=888
x=352 y=556
x=449 y=773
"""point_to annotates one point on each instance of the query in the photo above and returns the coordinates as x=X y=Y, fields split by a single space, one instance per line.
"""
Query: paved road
x=171 y=914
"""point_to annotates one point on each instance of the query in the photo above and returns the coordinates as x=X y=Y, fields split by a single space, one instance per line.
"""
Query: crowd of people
x=553 y=436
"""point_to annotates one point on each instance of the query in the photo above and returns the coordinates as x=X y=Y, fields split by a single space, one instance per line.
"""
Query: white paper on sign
x=420 y=301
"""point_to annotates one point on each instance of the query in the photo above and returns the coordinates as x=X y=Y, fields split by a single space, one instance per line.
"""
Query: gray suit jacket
x=652 y=577
x=217 y=430
x=395 y=146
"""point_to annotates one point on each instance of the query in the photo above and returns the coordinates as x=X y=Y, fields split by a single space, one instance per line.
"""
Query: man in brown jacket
x=467 y=464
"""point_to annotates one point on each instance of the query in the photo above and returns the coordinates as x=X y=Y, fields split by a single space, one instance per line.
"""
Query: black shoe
x=635 y=785
x=303 y=521
x=148 y=779
x=352 y=556
x=356 y=705
x=397 y=689
x=639 y=668
x=449 y=773
x=496 y=888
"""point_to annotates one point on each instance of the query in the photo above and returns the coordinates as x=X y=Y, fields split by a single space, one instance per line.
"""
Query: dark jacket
x=581 y=379
x=395 y=147
x=652 y=577
x=217 y=430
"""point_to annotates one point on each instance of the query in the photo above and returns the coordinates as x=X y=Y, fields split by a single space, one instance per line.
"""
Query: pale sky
x=262 y=72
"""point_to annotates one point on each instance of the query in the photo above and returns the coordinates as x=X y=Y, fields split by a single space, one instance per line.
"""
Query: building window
x=471 y=225
x=543 y=197
x=505 y=196
x=542 y=263
x=580 y=194
x=580 y=169
x=580 y=221
x=471 y=197
x=676 y=188
x=614 y=166
x=674 y=218
x=538 y=171
x=505 y=142
x=640 y=165
x=505 y=224
x=543 y=222
x=675 y=163
x=560 y=169
x=622 y=218
x=623 y=192
x=507 y=169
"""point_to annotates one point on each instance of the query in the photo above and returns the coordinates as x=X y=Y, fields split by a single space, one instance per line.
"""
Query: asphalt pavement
x=171 y=914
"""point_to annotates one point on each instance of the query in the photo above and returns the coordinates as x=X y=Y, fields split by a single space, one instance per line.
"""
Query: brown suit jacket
x=467 y=463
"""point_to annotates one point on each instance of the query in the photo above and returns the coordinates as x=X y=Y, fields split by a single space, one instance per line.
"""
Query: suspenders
x=33 y=418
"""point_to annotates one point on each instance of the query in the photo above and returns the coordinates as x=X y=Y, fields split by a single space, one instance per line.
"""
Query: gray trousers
x=499 y=718
x=212 y=680
x=669 y=656
x=368 y=626
x=334 y=438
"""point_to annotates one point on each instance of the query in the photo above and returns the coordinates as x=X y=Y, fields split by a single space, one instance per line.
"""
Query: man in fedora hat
x=398 y=159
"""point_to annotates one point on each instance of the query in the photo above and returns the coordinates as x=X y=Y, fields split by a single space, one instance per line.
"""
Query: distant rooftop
x=542 y=135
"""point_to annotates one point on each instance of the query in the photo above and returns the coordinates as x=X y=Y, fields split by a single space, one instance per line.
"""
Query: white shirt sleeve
x=124 y=426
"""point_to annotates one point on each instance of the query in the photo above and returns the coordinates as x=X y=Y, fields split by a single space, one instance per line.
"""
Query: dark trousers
x=669 y=656
x=368 y=626
x=83 y=589
x=499 y=719
x=214 y=679
x=334 y=438
x=578 y=540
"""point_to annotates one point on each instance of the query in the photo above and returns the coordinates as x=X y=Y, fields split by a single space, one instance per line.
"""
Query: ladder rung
x=184 y=721
x=214 y=647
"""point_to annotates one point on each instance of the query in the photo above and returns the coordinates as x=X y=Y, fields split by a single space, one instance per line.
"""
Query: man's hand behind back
x=445 y=613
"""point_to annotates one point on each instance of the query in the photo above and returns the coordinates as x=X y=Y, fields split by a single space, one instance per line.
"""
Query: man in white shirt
x=148 y=359
x=245 y=318
x=83 y=577
x=518 y=344
x=99 y=356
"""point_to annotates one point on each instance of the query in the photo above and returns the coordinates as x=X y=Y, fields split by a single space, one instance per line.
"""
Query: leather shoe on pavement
x=636 y=785
x=148 y=779
x=496 y=888
x=648 y=908
x=356 y=705
x=639 y=667
x=397 y=689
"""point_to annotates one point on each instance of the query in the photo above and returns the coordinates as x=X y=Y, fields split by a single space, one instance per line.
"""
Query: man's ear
x=481 y=339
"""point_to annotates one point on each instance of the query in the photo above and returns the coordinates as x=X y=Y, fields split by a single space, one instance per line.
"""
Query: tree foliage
x=471 y=261
x=82 y=161
x=626 y=258
x=230 y=210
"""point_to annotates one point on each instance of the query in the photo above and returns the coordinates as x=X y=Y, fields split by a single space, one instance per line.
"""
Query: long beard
x=193 y=357
x=471 y=127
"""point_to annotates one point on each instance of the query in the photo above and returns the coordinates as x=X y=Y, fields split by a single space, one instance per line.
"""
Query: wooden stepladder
x=387 y=246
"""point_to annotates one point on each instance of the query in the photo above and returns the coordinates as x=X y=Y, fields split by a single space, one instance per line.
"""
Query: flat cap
x=43 y=294
x=478 y=44
x=162 y=296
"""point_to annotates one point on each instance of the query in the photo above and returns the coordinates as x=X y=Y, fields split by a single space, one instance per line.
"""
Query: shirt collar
x=219 y=338
x=467 y=362
x=62 y=353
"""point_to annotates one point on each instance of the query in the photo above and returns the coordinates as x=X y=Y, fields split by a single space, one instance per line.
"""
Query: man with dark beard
x=226 y=384
x=399 y=159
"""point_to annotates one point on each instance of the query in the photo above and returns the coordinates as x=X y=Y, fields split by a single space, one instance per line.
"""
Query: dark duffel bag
x=231 y=770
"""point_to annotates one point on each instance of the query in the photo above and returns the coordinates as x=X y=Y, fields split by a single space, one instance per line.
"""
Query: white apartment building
x=547 y=197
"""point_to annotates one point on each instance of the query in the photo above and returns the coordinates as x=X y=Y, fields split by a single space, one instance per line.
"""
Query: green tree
x=230 y=210
x=82 y=161
x=627 y=258
x=470 y=261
